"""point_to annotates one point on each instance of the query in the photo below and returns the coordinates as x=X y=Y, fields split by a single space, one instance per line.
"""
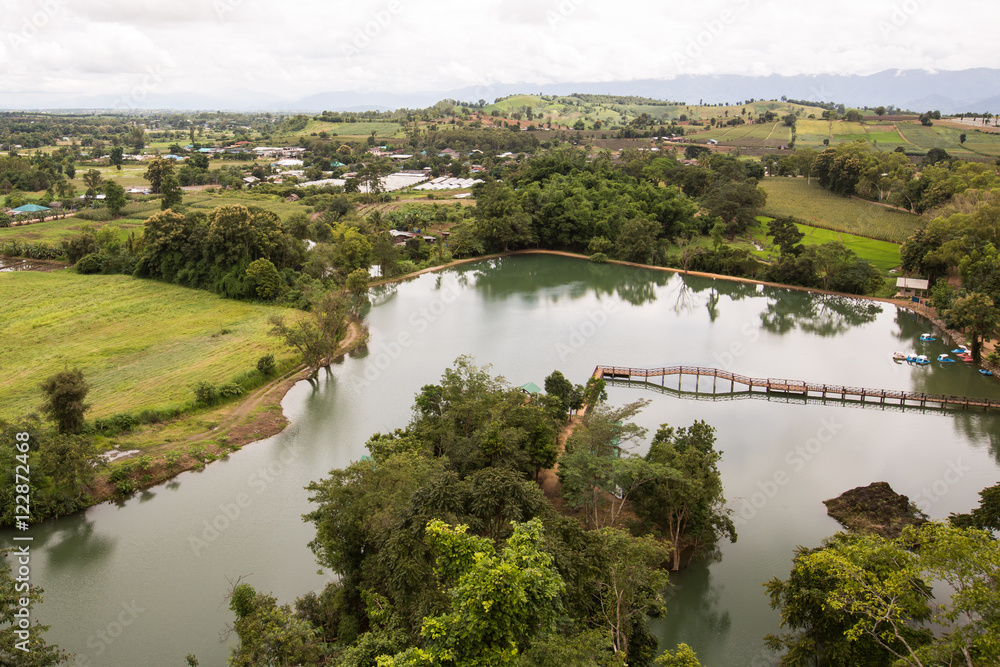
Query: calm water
x=144 y=582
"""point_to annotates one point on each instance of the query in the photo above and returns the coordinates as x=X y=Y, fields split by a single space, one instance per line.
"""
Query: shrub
x=120 y=472
x=173 y=458
x=124 y=487
x=144 y=462
x=266 y=365
x=206 y=393
x=599 y=258
x=120 y=423
x=230 y=390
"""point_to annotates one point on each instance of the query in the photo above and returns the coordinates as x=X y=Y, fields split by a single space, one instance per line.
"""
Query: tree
x=821 y=630
x=805 y=159
x=116 y=156
x=630 y=583
x=269 y=634
x=317 y=336
x=265 y=277
x=737 y=203
x=22 y=645
x=157 y=171
x=637 y=241
x=501 y=223
x=92 y=178
x=786 y=235
x=114 y=198
x=686 y=502
x=984 y=517
x=172 y=193
x=978 y=316
x=64 y=394
x=499 y=602
x=137 y=137
x=684 y=656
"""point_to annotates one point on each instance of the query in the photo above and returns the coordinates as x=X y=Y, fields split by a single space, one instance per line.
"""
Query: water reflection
x=823 y=315
x=694 y=590
x=73 y=542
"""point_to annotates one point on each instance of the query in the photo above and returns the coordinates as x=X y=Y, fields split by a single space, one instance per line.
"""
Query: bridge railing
x=777 y=384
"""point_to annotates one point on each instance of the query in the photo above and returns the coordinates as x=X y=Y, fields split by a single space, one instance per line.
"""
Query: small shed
x=912 y=287
x=530 y=388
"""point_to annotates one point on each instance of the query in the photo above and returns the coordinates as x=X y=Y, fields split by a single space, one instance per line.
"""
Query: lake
x=144 y=582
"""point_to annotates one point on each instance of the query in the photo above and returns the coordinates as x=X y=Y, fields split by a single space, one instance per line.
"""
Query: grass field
x=882 y=254
x=140 y=343
x=821 y=208
x=56 y=231
x=352 y=130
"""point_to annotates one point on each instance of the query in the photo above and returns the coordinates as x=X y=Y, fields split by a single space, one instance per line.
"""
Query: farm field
x=948 y=138
x=750 y=134
x=353 y=130
x=882 y=254
x=56 y=231
x=821 y=208
x=140 y=343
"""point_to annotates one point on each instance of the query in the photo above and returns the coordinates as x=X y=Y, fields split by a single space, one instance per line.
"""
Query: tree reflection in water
x=823 y=315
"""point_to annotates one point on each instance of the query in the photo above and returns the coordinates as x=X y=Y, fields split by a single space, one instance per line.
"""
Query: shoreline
x=259 y=416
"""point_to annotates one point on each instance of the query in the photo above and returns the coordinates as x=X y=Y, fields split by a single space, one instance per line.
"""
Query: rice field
x=818 y=207
x=140 y=343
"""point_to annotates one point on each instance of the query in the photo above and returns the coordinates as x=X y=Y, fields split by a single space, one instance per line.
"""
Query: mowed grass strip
x=882 y=254
x=140 y=343
x=819 y=207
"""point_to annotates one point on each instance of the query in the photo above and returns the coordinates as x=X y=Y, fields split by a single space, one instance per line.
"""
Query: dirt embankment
x=257 y=417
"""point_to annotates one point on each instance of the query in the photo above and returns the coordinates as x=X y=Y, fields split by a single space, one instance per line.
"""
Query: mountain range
x=975 y=90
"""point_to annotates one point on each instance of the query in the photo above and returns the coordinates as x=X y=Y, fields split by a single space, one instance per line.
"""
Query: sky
x=131 y=51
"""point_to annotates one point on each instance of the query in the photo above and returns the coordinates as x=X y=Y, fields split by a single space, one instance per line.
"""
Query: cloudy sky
x=52 y=51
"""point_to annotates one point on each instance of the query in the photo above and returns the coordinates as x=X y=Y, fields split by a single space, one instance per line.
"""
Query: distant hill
x=947 y=91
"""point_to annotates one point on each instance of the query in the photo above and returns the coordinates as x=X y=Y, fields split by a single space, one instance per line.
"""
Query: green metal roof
x=531 y=388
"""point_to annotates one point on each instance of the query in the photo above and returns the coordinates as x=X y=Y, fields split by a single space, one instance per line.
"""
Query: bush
x=230 y=390
x=89 y=264
x=206 y=393
x=266 y=365
x=144 y=462
x=121 y=472
x=173 y=458
x=599 y=258
x=120 y=423
x=124 y=488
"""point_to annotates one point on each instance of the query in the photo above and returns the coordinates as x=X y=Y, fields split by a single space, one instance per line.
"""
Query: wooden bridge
x=792 y=387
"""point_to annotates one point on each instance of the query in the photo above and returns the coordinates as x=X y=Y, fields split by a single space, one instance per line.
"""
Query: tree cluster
x=448 y=553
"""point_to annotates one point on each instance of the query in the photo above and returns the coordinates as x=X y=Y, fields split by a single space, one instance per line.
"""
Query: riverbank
x=190 y=442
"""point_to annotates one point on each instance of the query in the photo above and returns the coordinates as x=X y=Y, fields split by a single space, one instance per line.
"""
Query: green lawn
x=140 y=343
x=821 y=208
x=882 y=254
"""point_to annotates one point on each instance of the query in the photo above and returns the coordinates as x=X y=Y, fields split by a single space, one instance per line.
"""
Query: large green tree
x=686 y=502
x=498 y=601
x=64 y=395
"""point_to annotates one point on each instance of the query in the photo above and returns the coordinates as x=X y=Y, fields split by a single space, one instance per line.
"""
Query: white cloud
x=216 y=47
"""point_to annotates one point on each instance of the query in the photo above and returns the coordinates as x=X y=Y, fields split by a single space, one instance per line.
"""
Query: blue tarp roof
x=30 y=208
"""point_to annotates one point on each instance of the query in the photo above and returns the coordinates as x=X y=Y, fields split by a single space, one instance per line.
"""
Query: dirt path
x=548 y=479
x=272 y=393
